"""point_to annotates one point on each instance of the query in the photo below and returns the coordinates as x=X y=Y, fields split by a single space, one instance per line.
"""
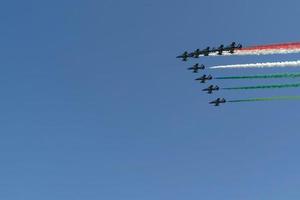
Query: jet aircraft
x=184 y=56
x=230 y=48
x=220 y=49
x=218 y=101
x=196 y=67
x=211 y=88
x=198 y=52
x=204 y=78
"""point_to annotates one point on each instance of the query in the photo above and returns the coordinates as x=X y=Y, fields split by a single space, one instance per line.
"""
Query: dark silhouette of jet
x=198 y=52
x=211 y=88
x=232 y=47
x=196 y=67
x=184 y=56
x=204 y=78
x=218 y=101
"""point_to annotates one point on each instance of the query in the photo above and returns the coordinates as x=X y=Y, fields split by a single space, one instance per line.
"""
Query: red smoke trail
x=292 y=45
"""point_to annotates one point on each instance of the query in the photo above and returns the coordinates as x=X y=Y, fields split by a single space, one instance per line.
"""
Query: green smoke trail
x=264 y=87
x=285 y=75
x=267 y=99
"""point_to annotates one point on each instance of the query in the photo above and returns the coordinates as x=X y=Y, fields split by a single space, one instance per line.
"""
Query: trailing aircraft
x=218 y=101
x=204 y=78
x=196 y=67
x=211 y=88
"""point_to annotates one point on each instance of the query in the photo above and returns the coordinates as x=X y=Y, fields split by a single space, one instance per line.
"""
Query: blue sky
x=95 y=105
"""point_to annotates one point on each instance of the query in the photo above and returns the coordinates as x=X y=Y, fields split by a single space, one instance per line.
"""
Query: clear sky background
x=94 y=104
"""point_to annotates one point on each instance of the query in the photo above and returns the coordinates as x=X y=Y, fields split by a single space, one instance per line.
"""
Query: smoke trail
x=283 y=48
x=261 y=76
x=264 y=87
x=267 y=51
x=290 y=45
x=260 y=65
x=266 y=99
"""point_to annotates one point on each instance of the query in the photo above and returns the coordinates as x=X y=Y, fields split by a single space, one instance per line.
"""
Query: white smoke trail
x=257 y=52
x=260 y=65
